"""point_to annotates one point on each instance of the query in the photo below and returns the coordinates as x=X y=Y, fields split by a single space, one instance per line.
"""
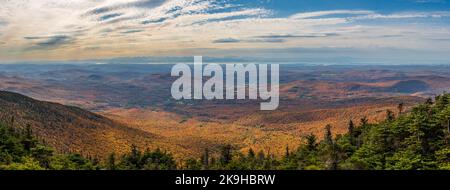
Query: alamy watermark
x=241 y=81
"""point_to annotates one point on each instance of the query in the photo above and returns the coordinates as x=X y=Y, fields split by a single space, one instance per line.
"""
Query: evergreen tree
x=311 y=142
x=351 y=133
x=251 y=154
x=364 y=121
x=132 y=160
x=226 y=154
x=12 y=121
x=205 y=159
x=389 y=115
x=331 y=151
x=416 y=140
x=260 y=156
x=287 y=153
x=28 y=140
x=328 y=135
x=429 y=101
x=111 y=165
x=400 y=108
x=193 y=164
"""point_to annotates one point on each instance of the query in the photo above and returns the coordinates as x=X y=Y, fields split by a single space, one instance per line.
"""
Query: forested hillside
x=69 y=128
x=411 y=141
x=21 y=150
x=418 y=140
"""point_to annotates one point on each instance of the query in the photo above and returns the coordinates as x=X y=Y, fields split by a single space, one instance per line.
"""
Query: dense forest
x=416 y=140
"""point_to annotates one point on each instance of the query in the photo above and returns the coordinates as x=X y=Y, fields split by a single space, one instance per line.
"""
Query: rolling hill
x=68 y=128
x=132 y=104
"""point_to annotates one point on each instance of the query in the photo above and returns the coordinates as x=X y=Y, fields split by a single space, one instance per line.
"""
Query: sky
x=322 y=31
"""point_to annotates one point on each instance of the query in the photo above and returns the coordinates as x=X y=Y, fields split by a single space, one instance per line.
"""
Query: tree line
x=417 y=140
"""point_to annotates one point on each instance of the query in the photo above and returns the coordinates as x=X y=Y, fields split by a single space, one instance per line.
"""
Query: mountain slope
x=70 y=129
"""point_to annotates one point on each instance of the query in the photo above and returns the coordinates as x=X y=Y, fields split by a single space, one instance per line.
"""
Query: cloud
x=152 y=21
x=366 y=14
x=54 y=41
x=109 y=16
x=33 y=37
x=391 y=36
x=92 y=48
x=277 y=40
x=440 y=39
x=3 y=23
x=404 y=15
x=148 y=4
x=316 y=14
x=249 y=40
x=226 y=40
x=132 y=31
x=277 y=36
x=48 y=42
x=142 y=27
x=106 y=30
x=235 y=15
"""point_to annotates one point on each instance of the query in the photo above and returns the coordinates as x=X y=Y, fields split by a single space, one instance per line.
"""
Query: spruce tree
x=328 y=135
x=28 y=139
x=389 y=115
x=134 y=158
x=400 y=108
x=311 y=142
x=251 y=154
x=331 y=149
x=111 y=165
x=205 y=159
x=364 y=121
x=351 y=132
x=225 y=155
x=287 y=153
x=260 y=156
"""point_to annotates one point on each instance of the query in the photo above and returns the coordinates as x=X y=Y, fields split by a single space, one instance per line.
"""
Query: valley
x=131 y=104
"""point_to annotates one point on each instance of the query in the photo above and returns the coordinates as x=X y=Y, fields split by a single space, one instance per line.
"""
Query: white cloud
x=153 y=27
x=327 y=13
